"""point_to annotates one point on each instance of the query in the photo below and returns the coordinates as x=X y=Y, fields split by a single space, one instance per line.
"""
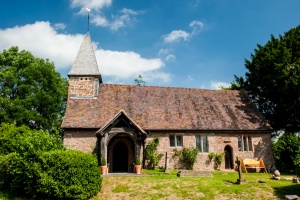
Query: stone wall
x=83 y=140
x=82 y=86
x=86 y=141
x=261 y=148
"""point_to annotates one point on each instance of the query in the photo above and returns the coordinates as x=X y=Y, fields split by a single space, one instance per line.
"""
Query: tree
x=139 y=81
x=273 y=80
x=286 y=152
x=31 y=91
x=237 y=84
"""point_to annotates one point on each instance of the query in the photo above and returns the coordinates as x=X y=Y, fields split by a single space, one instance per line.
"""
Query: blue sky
x=178 y=43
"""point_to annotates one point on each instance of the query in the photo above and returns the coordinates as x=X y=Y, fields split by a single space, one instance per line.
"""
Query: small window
x=240 y=143
x=205 y=143
x=201 y=143
x=178 y=140
x=172 y=141
x=175 y=140
x=250 y=143
x=198 y=143
x=245 y=143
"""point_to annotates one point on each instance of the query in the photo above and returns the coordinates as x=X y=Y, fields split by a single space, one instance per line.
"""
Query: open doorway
x=120 y=154
x=120 y=157
x=228 y=157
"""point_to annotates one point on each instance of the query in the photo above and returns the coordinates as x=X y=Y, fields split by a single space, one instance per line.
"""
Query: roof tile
x=153 y=107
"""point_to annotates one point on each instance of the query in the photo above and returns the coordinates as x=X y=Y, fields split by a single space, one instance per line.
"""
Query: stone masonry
x=216 y=143
x=82 y=86
x=85 y=141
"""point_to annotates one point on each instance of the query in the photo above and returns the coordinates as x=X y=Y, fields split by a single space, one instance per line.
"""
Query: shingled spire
x=85 y=63
x=84 y=75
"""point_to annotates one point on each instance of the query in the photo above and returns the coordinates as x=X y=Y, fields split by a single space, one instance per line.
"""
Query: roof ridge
x=154 y=86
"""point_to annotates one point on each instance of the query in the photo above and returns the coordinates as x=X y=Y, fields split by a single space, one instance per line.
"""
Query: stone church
x=118 y=121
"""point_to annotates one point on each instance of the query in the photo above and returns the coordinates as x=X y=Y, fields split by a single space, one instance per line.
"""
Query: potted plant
x=138 y=165
x=103 y=165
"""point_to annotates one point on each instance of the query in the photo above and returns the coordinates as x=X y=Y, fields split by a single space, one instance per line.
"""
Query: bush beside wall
x=35 y=163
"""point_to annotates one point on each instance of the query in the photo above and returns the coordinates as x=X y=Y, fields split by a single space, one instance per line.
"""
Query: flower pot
x=104 y=169
x=138 y=169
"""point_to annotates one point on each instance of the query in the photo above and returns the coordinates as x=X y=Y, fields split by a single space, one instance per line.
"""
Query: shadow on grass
x=280 y=192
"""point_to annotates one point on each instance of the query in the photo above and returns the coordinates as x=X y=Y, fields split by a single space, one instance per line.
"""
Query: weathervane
x=88 y=10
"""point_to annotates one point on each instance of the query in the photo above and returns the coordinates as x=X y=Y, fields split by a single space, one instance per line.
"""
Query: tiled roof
x=153 y=107
x=85 y=62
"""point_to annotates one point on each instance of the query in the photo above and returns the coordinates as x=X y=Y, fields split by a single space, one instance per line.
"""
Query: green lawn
x=158 y=185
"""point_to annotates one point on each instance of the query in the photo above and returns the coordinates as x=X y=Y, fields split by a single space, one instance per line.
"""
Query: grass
x=159 y=185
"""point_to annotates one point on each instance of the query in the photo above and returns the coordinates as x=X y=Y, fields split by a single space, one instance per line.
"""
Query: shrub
x=5 y=162
x=189 y=155
x=151 y=153
x=68 y=174
x=211 y=155
x=103 y=161
x=218 y=158
x=138 y=161
x=21 y=173
x=36 y=164
x=21 y=147
x=27 y=142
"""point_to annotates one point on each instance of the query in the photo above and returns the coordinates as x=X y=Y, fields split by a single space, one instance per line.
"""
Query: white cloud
x=196 y=23
x=59 y=26
x=96 y=5
x=150 y=78
x=100 y=21
x=170 y=57
x=42 y=40
x=130 y=11
x=124 y=18
x=197 y=27
x=163 y=51
x=157 y=77
x=216 y=85
x=125 y=65
x=176 y=35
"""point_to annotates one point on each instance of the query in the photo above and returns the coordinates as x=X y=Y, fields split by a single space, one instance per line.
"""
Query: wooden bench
x=257 y=165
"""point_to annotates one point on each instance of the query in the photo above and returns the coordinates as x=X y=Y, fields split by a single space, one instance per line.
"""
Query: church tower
x=84 y=74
